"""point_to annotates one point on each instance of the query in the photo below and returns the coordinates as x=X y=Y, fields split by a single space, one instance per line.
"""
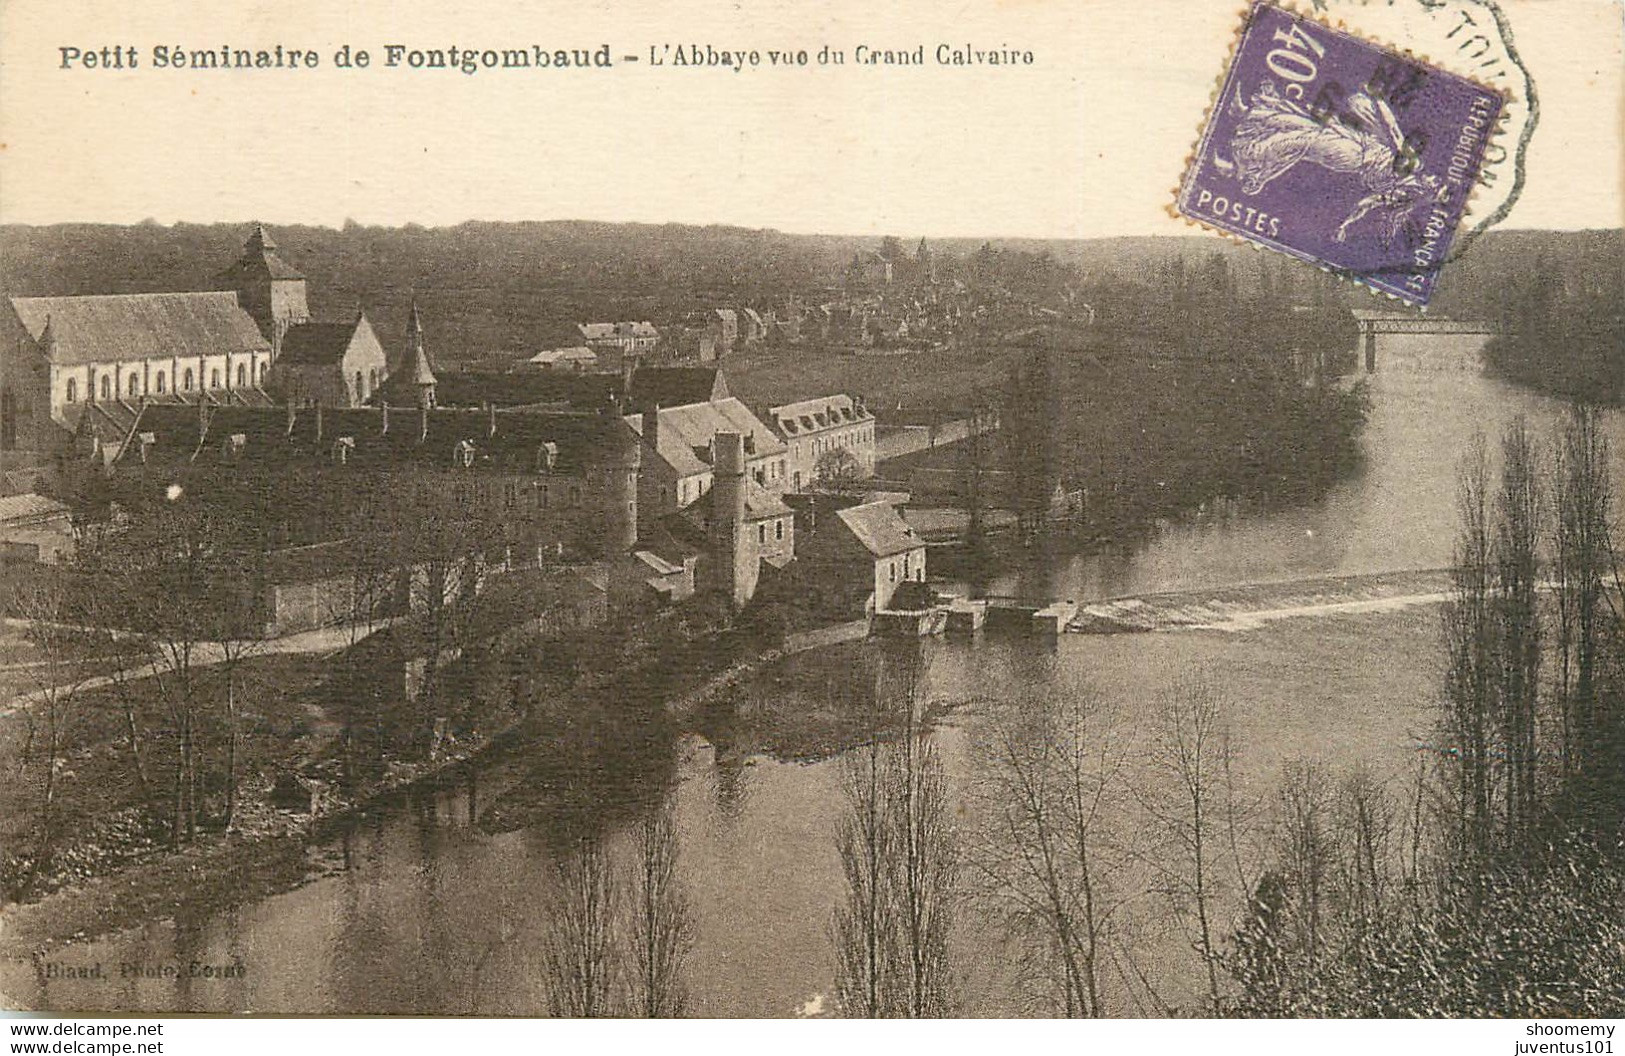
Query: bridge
x=1461 y=352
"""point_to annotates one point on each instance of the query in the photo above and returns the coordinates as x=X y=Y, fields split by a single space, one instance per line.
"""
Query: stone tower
x=733 y=559
x=269 y=289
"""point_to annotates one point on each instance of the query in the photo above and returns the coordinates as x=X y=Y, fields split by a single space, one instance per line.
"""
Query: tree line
x=1489 y=882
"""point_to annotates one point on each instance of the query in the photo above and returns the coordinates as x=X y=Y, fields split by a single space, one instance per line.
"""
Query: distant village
x=615 y=461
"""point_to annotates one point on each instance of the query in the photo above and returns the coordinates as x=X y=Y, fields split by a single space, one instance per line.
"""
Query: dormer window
x=145 y=442
x=463 y=454
x=342 y=448
x=547 y=457
x=233 y=445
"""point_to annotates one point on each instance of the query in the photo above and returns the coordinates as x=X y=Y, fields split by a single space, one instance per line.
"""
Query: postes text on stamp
x=1340 y=152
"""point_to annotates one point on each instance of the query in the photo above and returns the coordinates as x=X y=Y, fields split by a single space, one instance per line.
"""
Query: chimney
x=629 y=366
x=385 y=405
x=728 y=473
x=733 y=560
x=651 y=428
x=318 y=422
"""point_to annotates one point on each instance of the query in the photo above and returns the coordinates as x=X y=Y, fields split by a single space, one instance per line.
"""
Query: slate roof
x=880 y=528
x=317 y=344
x=23 y=509
x=127 y=326
x=607 y=331
x=564 y=355
x=580 y=439
x=687 y=431
x=810 y=416
x=651 y=386
x=259 y=261
x=760 y=504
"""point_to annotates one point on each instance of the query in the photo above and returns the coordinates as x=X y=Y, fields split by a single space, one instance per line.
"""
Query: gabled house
x=813 y=430
x=677 y=467
x=334 y=364
x=854 y=557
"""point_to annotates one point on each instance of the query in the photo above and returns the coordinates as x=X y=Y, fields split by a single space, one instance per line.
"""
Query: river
x=440 y=904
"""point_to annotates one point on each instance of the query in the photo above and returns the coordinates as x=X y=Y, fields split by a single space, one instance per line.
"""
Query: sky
x=1089 y=140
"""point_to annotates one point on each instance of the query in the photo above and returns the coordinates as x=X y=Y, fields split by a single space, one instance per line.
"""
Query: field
x=912 y=388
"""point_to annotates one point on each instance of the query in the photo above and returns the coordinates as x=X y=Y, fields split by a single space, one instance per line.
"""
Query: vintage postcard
x=743 y=511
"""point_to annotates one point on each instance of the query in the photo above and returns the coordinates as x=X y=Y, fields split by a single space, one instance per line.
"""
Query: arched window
x=158 y=382
x=242 y=375
x=107 y=386
x=372 y=380
x=214 y=378
x=73 y=390
x=186 y=381
x=262 y=373
x=135 y=384
x=360 y=387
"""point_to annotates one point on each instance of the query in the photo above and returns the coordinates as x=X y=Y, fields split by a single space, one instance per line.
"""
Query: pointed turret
x=413 y=380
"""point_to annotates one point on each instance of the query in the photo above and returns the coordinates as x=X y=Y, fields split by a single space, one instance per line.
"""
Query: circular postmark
x=1472 y=38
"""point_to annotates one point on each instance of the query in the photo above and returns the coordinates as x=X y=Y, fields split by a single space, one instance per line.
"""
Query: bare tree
x=1045 y=856
x=1469 y=631
x=897 y=849
x=1517 y=624
x=1583 y=560
x=662 y=929
x=1192 y=810
x=1307 y=851
x=924 y=884
x=579 y=952
x=172 y=577
x=61 y=672
x=1368 y=823
x=862 y=930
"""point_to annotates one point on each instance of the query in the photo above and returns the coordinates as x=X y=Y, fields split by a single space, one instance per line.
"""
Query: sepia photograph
x=742 y=511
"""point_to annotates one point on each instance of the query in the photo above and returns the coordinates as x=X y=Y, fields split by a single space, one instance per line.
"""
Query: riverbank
x=276 y=851
x=273 y=851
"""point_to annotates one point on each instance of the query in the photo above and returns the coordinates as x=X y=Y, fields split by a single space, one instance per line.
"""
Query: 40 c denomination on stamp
x=1339 y=152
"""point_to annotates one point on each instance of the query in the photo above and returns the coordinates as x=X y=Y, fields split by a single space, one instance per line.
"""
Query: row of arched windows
x=102 y=385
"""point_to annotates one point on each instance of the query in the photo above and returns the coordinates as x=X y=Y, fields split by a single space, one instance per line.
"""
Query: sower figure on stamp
x=1276 y=133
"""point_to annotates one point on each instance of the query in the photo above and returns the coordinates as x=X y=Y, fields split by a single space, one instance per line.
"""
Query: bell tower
x=269 y=289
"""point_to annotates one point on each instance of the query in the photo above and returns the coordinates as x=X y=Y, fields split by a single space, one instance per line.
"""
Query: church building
x=104 y=355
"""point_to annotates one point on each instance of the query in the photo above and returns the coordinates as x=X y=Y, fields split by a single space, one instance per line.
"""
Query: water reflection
x=1396 y=513
x=444 y=902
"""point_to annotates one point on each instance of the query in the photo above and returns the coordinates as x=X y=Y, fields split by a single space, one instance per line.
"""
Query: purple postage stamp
x=1340 y=152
